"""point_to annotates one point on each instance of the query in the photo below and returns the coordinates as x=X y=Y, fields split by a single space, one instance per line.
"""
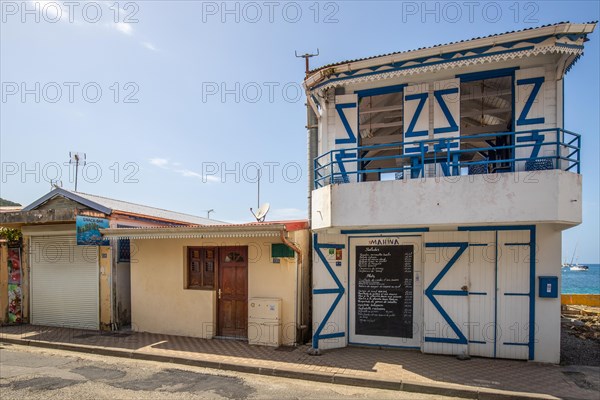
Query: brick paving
x=352 y=362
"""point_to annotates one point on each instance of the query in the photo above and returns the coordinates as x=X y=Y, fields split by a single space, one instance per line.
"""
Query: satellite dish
x=261 y=213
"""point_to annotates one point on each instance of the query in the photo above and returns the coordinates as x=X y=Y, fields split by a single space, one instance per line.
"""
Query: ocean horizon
x=581 y=282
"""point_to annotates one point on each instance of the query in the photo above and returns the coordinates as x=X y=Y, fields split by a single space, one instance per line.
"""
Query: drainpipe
x=312 y=127
x=299 y=291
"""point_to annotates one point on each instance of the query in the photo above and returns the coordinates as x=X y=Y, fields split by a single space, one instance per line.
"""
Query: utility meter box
x=548 y=286
x=264 y=321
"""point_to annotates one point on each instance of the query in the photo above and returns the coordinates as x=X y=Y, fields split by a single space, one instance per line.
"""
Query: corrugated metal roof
x=438 y=45
x=108 y=206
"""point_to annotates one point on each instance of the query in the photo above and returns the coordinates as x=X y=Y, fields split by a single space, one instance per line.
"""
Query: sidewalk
x=388 y=369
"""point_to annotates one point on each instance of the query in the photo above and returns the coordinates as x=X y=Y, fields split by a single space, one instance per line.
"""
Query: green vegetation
x=8 y=203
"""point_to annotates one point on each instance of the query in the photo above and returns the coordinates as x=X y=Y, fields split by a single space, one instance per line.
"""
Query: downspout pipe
x=299 y=290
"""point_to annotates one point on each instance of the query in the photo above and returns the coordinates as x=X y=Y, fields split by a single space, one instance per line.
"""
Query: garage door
x=64 y=283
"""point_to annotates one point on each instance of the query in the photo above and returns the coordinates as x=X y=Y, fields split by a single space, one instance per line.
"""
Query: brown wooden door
x=233 y=292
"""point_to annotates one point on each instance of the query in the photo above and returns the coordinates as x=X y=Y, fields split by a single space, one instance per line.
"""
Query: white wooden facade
x=457 y=154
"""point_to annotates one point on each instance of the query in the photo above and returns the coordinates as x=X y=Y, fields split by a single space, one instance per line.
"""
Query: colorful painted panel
x=88 y=231
x=14 y=286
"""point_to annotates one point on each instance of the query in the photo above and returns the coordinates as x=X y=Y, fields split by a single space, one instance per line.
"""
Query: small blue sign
x=88 y=231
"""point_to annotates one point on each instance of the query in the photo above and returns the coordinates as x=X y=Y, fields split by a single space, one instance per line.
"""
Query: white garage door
x=64 y=283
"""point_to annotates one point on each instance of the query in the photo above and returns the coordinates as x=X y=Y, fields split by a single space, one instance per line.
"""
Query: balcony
x=465 y=155
x=503 y=178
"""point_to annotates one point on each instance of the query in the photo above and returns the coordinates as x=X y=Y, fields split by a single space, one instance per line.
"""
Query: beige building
x=52 y=278
x=247 y=281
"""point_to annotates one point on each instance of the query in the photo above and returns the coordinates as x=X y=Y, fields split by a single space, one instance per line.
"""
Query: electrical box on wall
x=548 y=286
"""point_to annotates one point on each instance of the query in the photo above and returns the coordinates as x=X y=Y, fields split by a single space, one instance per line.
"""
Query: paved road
x=35 y=373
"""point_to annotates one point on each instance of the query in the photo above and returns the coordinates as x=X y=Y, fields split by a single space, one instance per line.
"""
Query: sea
x=581 y=282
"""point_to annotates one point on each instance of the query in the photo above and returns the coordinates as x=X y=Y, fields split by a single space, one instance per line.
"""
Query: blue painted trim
x=339 y=290
x=495 y=295
x=422 y=97
x=449 y=292
x=351 y=136
x=495 y=73
x=332 y=335
x=477 y=293
x=569 y=46
x=535 y=137
x=516 y=294
x=532 y=240
x=452 y=126
x=478 y=244
x=477 y=342
x=430 y=292
x=387 y=346
x=400 y=68
x=339 y=158
x=517 y=244
x=497 y=228
x=380 y=90
x=515 y=344
x=400 y=230
x=537 y=85
x=325 y=291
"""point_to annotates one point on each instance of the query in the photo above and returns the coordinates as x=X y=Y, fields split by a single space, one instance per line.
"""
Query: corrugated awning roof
x=253 y=229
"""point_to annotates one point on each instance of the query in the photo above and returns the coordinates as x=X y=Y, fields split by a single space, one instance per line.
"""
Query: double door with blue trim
x=477 y=293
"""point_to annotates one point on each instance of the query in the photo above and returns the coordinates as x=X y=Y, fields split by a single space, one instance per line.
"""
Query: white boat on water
x=575 y=266
x=578 y=267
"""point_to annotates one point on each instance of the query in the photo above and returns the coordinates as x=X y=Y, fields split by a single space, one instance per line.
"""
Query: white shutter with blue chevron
x=530 y=115
x=446 y=112
x=346 y=138
x=416 y=116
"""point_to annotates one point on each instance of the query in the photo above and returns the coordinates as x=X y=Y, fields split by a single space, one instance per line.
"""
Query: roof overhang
x=71 y=196
x=556 y=39
x=200 y=232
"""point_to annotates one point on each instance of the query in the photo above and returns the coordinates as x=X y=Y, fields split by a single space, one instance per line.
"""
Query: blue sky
x=195 y=96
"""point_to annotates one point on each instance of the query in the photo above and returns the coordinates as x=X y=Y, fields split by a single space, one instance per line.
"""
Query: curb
x=434 y=388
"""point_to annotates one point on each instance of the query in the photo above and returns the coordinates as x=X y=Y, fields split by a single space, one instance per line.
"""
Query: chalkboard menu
x=384 y=291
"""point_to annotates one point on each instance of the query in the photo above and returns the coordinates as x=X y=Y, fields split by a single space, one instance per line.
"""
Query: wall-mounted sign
x=88 y=231
x=15 y=309
x=384 y=290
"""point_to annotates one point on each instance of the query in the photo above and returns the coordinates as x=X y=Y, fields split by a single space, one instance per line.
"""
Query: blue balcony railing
x=540 y=149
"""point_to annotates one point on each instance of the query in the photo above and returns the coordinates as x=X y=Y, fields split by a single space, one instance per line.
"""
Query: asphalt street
x=35 y=373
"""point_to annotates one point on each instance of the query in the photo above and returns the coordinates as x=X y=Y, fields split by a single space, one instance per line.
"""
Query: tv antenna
x=77 y=159
x=306 y=57
x=261 y=213
x=54 y=183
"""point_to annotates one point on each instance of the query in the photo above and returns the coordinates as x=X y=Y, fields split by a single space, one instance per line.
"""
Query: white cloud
x=149 y=46
x=124 y=28
x=186 y=173
x=159 y=162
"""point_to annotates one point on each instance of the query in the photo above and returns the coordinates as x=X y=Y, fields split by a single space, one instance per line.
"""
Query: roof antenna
x=77 y=159
x=262 y=211
x=306 y=57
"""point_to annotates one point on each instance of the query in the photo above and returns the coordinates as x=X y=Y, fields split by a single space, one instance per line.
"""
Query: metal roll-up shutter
x=64 y=283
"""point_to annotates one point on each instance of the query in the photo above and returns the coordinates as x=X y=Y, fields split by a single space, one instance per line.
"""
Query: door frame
x=221 y=251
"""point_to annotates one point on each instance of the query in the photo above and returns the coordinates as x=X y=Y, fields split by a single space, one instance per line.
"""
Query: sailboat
x=575 y=266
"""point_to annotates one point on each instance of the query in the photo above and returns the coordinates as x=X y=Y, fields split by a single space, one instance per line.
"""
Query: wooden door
x=233 y=292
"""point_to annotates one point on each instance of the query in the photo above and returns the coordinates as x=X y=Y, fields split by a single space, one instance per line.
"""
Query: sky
x=177 y=104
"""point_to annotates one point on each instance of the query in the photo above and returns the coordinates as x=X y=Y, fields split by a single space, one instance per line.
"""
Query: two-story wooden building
x=443 y=179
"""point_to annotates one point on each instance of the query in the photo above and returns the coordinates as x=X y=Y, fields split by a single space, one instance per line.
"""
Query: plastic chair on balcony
x=539 y=164
x=478 y=169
